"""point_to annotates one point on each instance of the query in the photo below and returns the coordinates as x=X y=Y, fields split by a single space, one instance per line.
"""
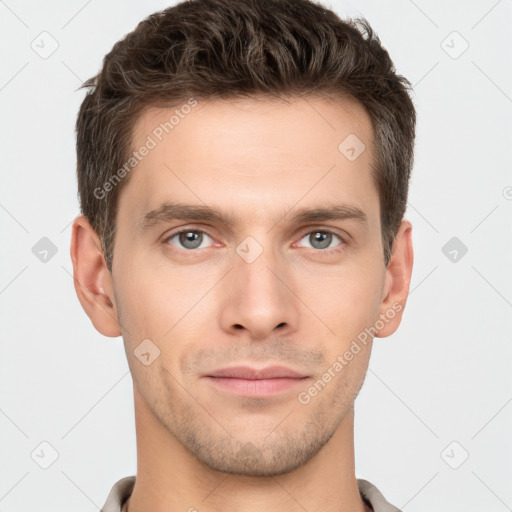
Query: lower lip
x=256 y=387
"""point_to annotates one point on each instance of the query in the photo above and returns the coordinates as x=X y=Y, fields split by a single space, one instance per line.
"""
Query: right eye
x=189 y=239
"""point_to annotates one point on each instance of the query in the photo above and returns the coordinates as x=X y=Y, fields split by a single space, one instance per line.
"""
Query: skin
x=207 y=308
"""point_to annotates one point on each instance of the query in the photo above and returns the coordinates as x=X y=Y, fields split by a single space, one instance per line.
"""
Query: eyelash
x=328 y=251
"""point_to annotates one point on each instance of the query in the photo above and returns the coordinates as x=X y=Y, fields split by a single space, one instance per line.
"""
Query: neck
x=169 y=478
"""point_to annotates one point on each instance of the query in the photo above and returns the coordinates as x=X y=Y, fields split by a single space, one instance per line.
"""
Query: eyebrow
x=170 y=211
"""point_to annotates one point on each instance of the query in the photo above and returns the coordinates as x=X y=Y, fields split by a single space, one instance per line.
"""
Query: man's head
x=220 y=140
x=226 y=49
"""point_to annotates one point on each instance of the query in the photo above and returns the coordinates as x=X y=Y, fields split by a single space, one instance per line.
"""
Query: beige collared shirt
x=122 y=489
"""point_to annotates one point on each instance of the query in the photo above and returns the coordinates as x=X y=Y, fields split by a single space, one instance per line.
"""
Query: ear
x=397 y=281
x=92 y=279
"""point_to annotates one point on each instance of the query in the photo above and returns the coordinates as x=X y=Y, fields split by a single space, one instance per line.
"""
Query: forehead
x=256 y=154
x=270 y=126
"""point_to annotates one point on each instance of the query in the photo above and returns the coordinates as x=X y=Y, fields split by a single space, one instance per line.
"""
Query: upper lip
x=246 y=372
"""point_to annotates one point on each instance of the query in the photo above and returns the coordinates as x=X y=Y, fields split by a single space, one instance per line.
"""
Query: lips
x=248 y=373
x=254 y=382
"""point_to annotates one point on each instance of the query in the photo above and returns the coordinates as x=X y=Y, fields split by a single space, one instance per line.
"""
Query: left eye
x=321 y=239
x=189 y=238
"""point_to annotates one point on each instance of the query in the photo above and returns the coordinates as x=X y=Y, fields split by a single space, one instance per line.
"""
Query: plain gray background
x=434 y=417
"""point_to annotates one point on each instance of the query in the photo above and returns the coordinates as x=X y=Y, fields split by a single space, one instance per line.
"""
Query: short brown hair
x=209 y=49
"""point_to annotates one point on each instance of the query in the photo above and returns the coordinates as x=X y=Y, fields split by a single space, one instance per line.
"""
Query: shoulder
x=376 y=499
x=119 y=493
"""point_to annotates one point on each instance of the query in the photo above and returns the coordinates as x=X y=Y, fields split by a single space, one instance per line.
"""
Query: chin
x=274 y=455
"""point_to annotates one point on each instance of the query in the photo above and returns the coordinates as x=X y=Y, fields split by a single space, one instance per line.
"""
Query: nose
x=258 y=300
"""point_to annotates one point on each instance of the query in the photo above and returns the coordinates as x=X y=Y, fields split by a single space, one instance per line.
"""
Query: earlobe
x=398 y=280
x=92 y=279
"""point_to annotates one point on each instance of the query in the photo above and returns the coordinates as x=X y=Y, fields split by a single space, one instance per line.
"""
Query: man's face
x=265 y=289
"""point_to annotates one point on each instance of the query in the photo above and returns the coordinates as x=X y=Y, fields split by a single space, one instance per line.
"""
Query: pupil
x=190 y=237
x=323 y=238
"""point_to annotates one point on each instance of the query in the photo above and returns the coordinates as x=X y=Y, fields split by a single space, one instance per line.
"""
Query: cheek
x=153 y=295
x=347 y=300
x=170 y=307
